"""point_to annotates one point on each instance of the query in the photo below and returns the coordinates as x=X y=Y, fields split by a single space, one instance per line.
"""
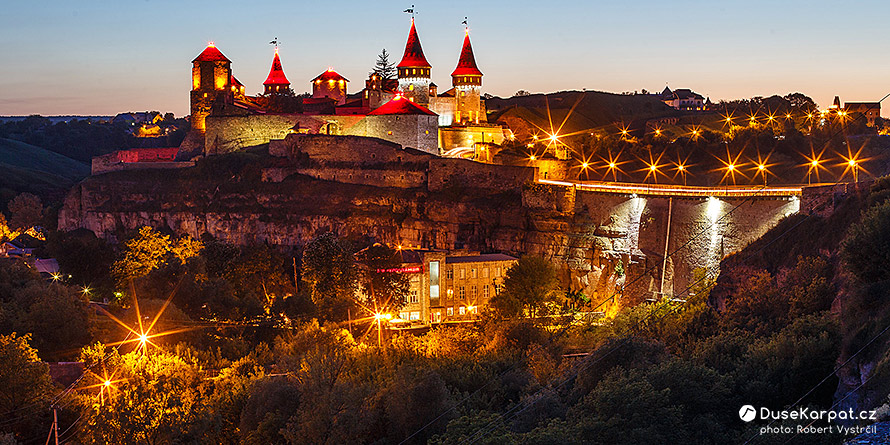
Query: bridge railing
x=729 y=191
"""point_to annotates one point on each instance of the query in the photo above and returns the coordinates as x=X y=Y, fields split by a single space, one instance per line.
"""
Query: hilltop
x=585 y=109
x=28 y=168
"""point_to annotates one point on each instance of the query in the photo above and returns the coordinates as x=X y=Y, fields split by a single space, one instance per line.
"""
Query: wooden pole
x=56 y=425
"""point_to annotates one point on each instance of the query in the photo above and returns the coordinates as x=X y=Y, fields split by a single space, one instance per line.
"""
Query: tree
x=150 y=250
x=866 y=249
x=381 y=281
x=157 y=401
x=801 y=102
x=24 y=382
x=143 y=253
x=528 y=286
x=329 y=269
x=26 y=211
x=6 y=233
x=384 y=68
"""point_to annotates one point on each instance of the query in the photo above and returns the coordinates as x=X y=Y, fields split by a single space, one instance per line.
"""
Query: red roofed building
x=330 y=85
x=403 y=122
x=414 y=70
x=276 y=82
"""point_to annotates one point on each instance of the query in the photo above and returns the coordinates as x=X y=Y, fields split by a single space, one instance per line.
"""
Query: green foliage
x=866 y=249
x=142 y=254
x=528 y=286
x=157 y=403
x=56 y=316
x=329 y=270
x=26 y=211
x=85 y=257
x=25 y=386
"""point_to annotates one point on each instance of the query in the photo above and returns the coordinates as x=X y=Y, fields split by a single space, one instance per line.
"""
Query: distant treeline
x=82 y=139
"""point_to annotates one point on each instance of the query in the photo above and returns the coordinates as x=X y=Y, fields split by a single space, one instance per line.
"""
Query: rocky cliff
x=602 y=242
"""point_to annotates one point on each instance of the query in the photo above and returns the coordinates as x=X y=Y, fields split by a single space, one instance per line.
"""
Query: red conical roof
x=466 y=65
x=413 y=57
x=276 y=74
x=211 y=54
x=400 y=105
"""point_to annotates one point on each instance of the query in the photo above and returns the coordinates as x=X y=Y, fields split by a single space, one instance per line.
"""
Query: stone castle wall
x=229 y=133
x=448 y=172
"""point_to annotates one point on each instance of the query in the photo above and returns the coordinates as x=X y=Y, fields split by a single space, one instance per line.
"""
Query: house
x=870 y=111
x=683 y=99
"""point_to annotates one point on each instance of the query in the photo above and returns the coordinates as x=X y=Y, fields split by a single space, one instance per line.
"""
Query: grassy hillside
x=30 y=157
x=585 y=109
x=28 y=168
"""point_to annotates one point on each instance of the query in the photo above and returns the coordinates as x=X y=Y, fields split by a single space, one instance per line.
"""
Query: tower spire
x=276 y=82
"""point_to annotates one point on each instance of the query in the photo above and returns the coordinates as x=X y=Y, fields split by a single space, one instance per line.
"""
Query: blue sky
x=105 y=57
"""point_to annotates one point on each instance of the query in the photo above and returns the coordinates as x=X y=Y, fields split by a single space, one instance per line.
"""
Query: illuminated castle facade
x=411 y=112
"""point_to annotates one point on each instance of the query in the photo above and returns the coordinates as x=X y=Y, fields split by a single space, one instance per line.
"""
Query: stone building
x=449 y=288
x=330 y=85
x=870 y=111
x=403 y=122
x=468 y=283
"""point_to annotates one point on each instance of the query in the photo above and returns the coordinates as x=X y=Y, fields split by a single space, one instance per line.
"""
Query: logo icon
x=747 y=413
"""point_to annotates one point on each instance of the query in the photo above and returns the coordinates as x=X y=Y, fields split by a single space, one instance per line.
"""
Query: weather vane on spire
x=410 y=11
x=275 y=42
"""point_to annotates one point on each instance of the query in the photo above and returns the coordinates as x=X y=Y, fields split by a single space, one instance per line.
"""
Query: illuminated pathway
x=730 y=191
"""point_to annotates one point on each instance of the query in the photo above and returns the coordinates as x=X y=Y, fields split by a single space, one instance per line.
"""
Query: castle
x=410 y=112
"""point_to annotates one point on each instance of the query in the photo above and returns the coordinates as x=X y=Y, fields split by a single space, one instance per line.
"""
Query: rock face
x=603 y=243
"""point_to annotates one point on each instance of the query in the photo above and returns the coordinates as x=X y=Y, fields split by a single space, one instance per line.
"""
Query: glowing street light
x=532 y=158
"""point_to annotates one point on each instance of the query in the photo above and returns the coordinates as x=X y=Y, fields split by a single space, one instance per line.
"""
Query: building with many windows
x=467 y=284
x=449 y=288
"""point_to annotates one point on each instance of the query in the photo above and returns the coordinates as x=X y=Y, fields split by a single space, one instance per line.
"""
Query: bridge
x=681 y=191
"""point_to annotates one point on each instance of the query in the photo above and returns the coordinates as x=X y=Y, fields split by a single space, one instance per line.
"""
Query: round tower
x=414 y=71
x=276 y=83
x=211 y=85
x=467 y=82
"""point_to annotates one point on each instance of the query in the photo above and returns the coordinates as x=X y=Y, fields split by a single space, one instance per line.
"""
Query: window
x=450 y=293
x=473 y=273
x=437 y=317
x=434 y=279
x=413 y=296
x=497 y=271
x=484 y=272
x=461 y=293
x=462 y=310
x=449 y=274
x=449 y=311
x=473 y=291
x=415 y=315
x=463 y=274
x=403 y=315
x=411 y=87
x=485 y=291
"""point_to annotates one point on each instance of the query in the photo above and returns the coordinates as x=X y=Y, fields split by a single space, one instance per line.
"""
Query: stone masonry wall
x=447 y=172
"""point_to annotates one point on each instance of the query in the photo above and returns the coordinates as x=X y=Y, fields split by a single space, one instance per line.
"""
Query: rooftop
x=466 y=65
x=413 y=57
x=211 y=54
x=486 y=257
x=400 y=105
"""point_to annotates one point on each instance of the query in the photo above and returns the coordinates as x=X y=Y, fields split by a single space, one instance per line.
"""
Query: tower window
x=411 y=87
